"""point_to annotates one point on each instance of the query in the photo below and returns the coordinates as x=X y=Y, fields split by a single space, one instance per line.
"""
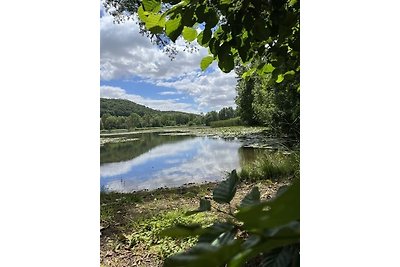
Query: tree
x=133 y=121
x=276 y=105
x=110 y=122
x=146 y=120
x=210 y=116
x=226 y=113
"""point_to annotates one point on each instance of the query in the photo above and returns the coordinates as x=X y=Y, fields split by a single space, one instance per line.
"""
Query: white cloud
x=159 y=104
x=170 y=93
x=126 y=54
x=211 y=91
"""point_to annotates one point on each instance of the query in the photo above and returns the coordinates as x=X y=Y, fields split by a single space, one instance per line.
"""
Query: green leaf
x=282 y=209
x=189 y=34
x=188 y=18
x=173 y=28
x=204 y=254
x=253 y=197
x=280 y=78
x=243 y=53
x=211 y=18
x=225 y=57
x=283 y=236
x=213 y=45
x=205 y=205
x=200 y=13
x=152 y=5
x=204 y=37
x=225 y=191
x=289 y=73
x=249 y=72
x=267 y=68
x=210 y=234
x=279 y=258
x=205 y=62
x=224 y=238
x=142 y=14
x=292 y=2
x=155 y=23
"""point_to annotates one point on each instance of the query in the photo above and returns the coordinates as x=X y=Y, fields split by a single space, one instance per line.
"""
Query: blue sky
x=132 y=68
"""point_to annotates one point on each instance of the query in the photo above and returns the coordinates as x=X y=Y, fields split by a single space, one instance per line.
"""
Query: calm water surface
x=156 y=161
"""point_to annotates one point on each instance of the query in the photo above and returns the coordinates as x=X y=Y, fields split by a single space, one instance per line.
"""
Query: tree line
x=125 y=114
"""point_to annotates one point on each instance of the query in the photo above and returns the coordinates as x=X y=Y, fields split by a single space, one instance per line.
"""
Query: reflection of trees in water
x=115 y=152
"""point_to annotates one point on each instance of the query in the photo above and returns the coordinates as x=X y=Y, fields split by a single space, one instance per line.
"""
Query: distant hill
x=123 y=107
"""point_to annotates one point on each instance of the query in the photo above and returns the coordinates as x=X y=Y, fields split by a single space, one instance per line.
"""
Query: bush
x=226 y=123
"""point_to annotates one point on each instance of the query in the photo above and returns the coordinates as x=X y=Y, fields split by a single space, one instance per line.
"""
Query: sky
x=132 y=68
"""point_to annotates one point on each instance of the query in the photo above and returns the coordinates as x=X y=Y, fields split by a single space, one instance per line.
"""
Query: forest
x=125 y=114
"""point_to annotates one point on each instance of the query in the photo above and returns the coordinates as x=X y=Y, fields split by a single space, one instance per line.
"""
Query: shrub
x=226 y=123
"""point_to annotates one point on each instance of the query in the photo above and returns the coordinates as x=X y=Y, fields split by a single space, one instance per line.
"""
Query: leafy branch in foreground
x=267 y=232
x=264 y=33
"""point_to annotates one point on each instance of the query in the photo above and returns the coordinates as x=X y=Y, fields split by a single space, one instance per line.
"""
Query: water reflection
x=172 y=162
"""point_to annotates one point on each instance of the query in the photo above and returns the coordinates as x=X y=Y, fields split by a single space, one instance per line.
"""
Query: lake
x=154 y=160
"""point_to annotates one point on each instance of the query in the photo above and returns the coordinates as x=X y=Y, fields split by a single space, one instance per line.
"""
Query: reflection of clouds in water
x=119 y=168
x=213 y=160
x=172 y=161
x=118 y=186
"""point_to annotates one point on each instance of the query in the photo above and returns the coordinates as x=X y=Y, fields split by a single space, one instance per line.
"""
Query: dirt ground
x=119 y=211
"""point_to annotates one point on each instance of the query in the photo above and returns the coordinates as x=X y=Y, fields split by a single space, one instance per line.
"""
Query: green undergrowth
x=226 y=123
x=147 y=232
x=113 y=203
x=272 y=166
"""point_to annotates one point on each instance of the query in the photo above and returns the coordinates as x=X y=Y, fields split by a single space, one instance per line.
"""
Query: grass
x=147 y=232
x=273 y=166
x=226 y=123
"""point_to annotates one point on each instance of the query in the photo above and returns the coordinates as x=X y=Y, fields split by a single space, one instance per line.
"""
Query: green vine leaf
x=205 y=62
x=189 y=34
x=204 y=254
x=225 y=57
x=253 y=197
x=226 y=190
x=152 y=5
x=204 y=37
x=155 y=23
x=205 y=205
x=173 y=28
x=142 y=14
